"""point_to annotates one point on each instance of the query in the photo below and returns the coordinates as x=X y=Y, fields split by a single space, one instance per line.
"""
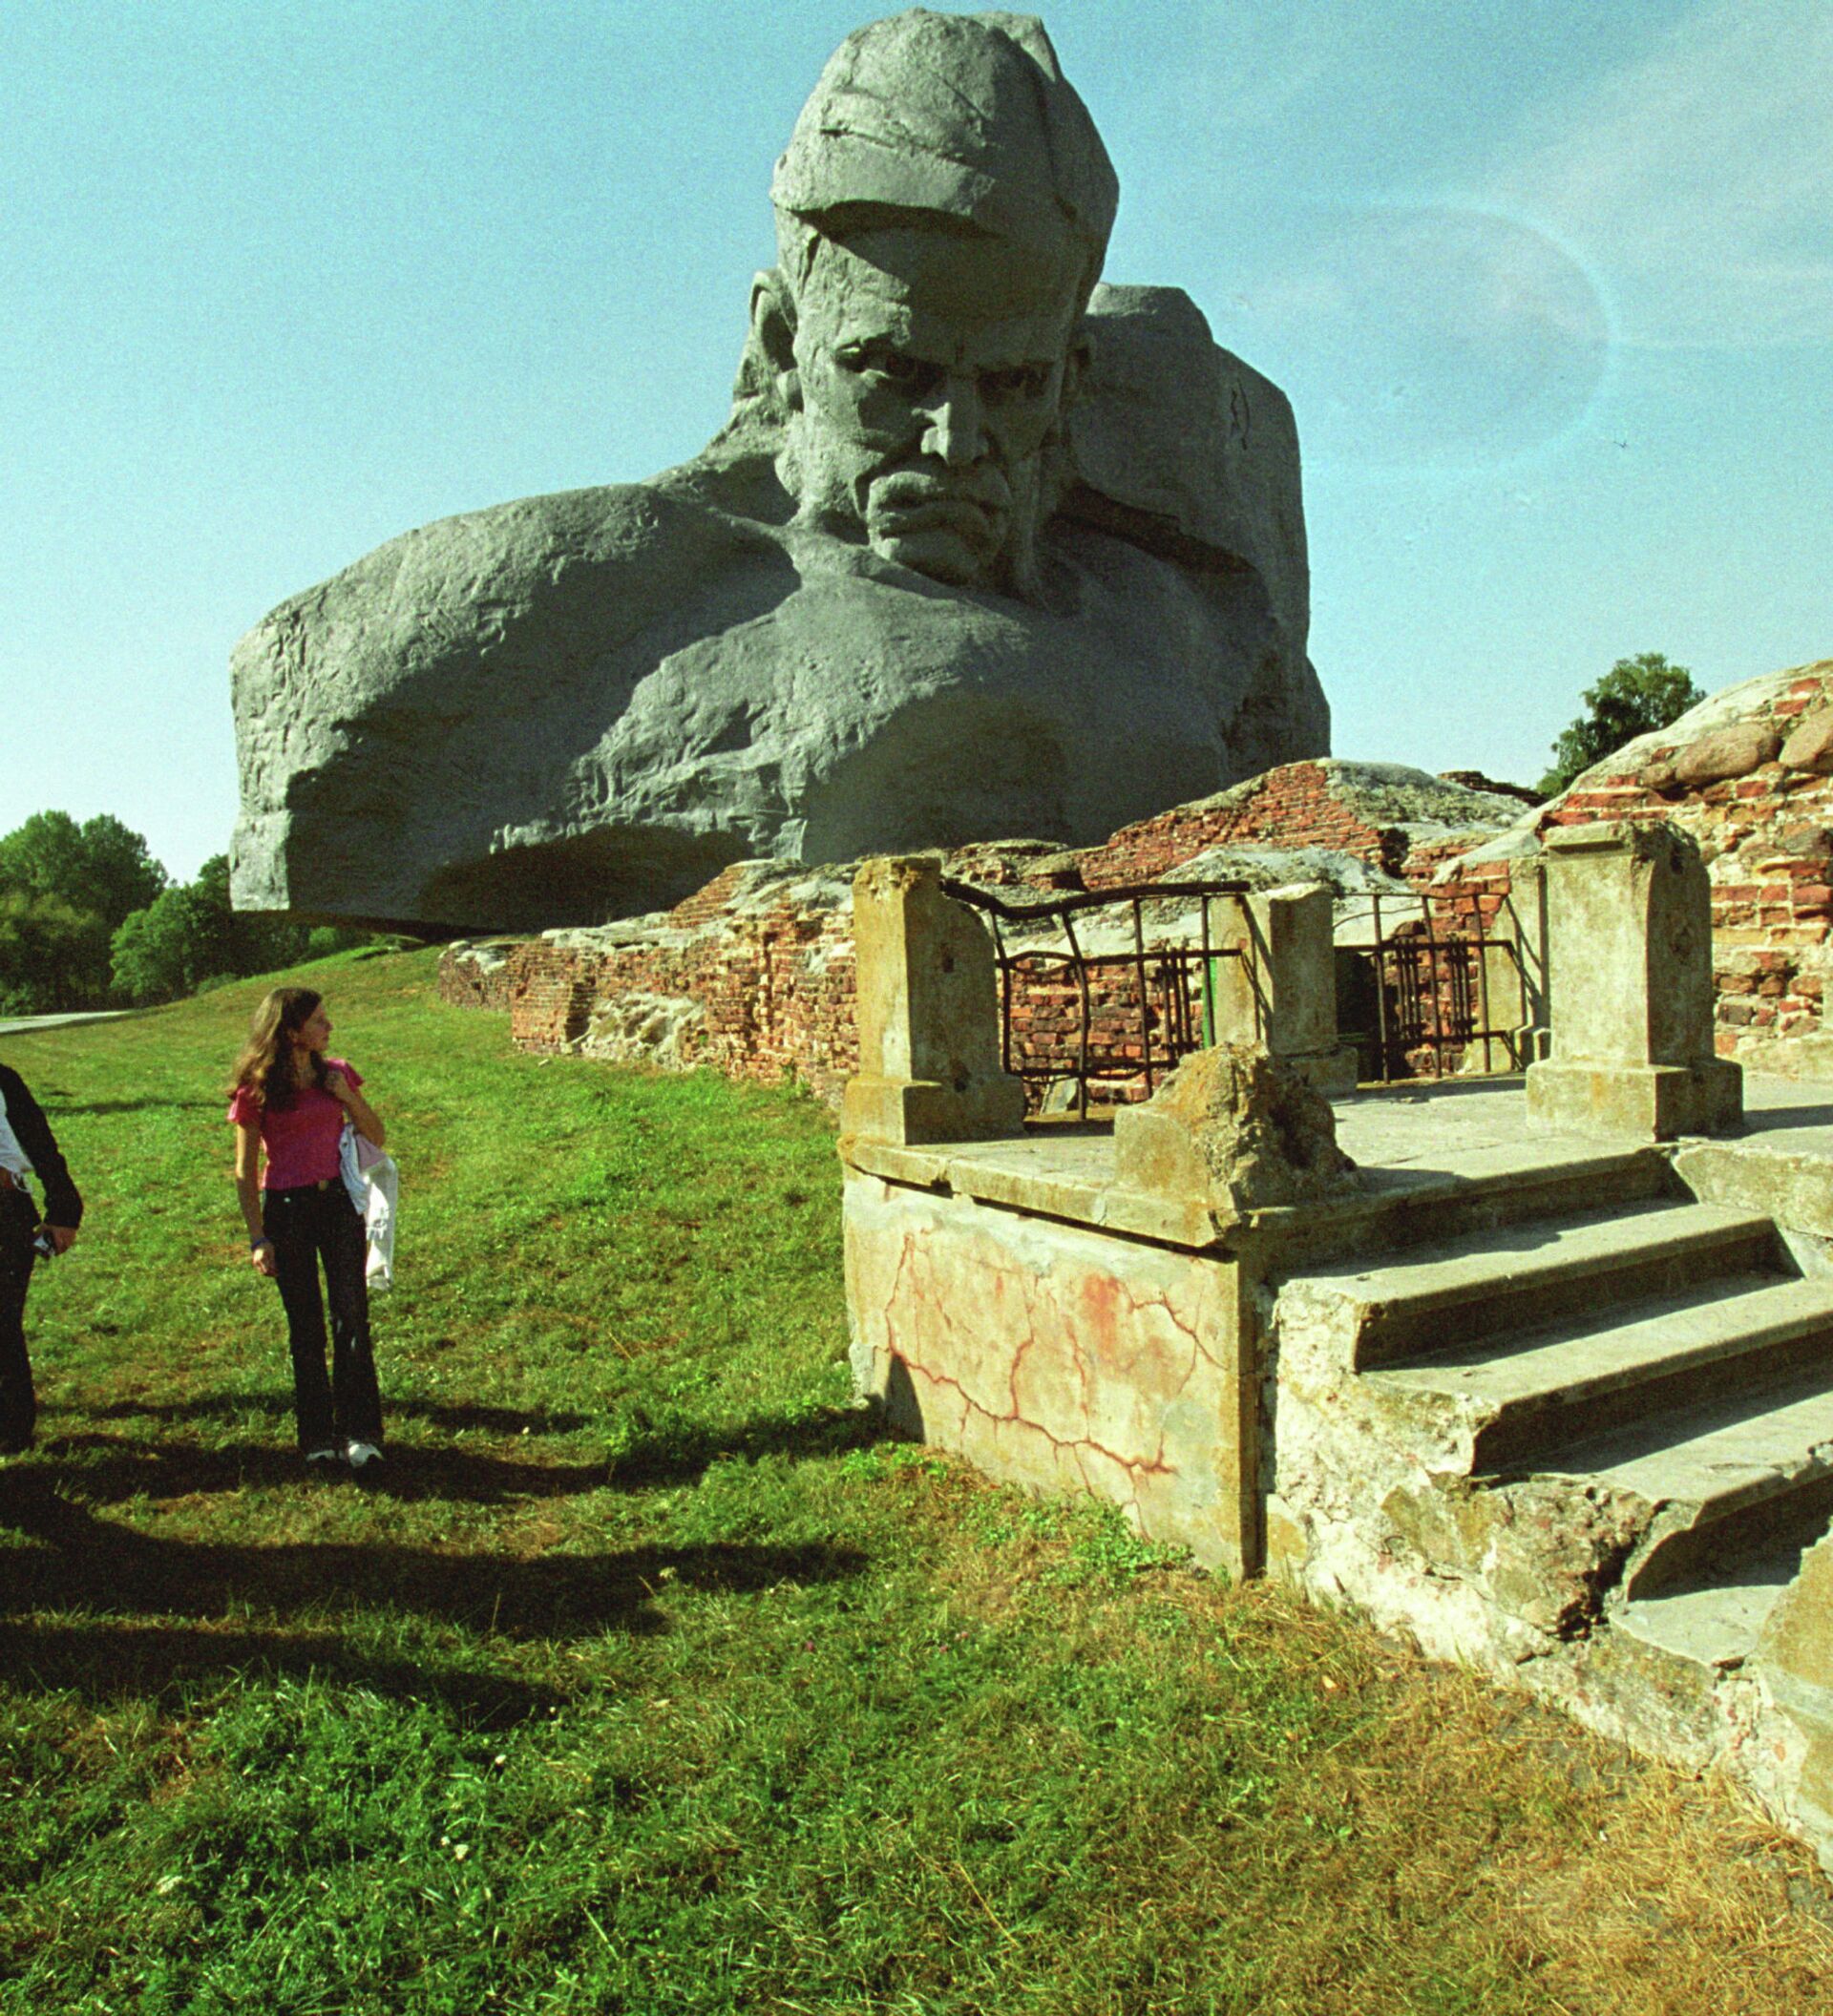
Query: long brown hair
x=268 y=1065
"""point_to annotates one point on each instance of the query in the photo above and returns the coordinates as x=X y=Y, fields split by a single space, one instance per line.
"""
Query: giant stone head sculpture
x=942 y=210
x=986 y=549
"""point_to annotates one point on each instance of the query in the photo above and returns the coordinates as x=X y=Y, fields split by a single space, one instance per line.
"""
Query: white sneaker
x=362 y=1453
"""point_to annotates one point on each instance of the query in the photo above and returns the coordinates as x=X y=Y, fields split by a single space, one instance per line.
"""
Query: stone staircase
x=1579 y=1431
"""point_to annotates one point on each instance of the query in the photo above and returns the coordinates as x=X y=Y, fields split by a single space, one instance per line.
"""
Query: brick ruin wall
x=763 y=990
x=753 y=974
x=1291 y=807
x=1755 y=793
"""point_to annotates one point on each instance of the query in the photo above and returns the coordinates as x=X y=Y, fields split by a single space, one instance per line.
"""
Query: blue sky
x=1550 y=283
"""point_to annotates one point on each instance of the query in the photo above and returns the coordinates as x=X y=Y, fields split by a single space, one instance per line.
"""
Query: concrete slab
x=28 y=1024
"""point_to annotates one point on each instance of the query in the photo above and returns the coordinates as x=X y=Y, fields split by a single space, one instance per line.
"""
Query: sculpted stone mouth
x=910 y=507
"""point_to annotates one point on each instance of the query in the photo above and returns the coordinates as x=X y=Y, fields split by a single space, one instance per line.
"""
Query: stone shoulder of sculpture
x=573 y=707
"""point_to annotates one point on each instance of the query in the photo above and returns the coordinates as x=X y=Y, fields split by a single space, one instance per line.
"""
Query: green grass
x=650 y=1679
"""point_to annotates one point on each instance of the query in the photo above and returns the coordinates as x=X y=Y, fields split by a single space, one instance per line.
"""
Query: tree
x=189 y=935
x=101 y=867
x=52 y=959
x=64 y=888
x=1635 y=697
x=182 y=938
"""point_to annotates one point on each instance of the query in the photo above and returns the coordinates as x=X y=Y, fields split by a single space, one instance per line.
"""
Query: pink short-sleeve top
x=300 y=1141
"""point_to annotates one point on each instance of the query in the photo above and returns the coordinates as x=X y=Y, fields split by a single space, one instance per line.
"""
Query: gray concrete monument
x=986 y=548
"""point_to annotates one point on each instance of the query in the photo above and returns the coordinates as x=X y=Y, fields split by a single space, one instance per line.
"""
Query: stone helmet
x=964 y=117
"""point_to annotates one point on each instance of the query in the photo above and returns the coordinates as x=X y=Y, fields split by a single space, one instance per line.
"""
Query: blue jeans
x=319 y=1223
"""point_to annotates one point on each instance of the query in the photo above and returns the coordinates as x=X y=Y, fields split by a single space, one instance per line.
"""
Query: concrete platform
x=1424 y=1142
x=1559 y=1406
x=1402 y=1130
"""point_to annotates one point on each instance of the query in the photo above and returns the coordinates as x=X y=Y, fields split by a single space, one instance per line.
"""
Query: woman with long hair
x=288 y=1101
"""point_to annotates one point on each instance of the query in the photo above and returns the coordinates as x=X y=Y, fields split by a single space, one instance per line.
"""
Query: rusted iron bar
x=1082 y=1029
x=1069 y=901
x=1209 y=982
x=1004 y=965
x=1380 y=986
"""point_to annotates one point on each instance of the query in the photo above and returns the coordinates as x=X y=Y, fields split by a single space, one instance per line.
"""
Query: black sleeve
x=63 y=1206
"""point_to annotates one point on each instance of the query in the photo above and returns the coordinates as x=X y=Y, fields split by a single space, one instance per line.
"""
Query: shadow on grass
x=83 y=1563
x=679 y=1455
x=105 y=1661
x=232 y=1406
x=109 y=1469
x=133 y=1105
x=676 y=1454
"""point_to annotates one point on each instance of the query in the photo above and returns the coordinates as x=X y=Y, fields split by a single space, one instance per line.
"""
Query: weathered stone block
x=1234 y=1130
x=1277 y=985
x=1733 y=751
x=1652 y=1101
x=928 y=1013
x=1631 y=992
x=1810 y=745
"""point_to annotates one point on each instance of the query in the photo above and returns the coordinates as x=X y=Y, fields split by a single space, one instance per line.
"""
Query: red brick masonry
x=753 y=972
x=1766 y=831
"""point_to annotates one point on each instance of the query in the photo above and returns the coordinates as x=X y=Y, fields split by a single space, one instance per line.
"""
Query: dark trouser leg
x=19 y=1404
x=355 y=1400
x=287 y=1219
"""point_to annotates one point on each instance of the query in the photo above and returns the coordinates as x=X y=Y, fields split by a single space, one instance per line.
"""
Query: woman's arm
x=362 y=1114
x=261 y=1248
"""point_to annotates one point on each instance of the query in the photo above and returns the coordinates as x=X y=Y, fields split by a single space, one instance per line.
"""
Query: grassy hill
x=647 y=1679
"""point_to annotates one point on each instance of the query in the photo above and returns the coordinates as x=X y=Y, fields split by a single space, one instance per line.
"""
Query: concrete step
x=1407 y=1205
x=1709 y=1601
x=1725 y=1457
x=1742 y=1485
x=1532 y=1395
x=1457 y=1295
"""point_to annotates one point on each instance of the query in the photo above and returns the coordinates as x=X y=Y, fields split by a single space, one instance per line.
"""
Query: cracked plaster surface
x=1047 y=1355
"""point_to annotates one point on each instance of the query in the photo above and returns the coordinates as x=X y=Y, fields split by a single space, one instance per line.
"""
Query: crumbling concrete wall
x=1050 y=1354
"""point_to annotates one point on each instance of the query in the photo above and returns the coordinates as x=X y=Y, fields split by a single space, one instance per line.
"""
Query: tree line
x=90 y=919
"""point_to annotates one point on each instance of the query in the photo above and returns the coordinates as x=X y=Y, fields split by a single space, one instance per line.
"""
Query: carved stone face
x=931 y=369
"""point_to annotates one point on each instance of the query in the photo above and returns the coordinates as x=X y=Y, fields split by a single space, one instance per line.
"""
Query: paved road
x=23 y=1025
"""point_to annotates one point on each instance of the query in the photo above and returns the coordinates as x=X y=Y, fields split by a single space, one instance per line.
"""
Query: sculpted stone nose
x=957 y=429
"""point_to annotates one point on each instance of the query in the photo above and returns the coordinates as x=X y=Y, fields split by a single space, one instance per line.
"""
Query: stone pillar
x=1280 y=995
x=927 y=1014
x=1521 y=978
x=1628 y=958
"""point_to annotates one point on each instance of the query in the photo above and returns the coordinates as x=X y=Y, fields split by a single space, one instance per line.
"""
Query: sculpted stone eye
x=888 y=365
